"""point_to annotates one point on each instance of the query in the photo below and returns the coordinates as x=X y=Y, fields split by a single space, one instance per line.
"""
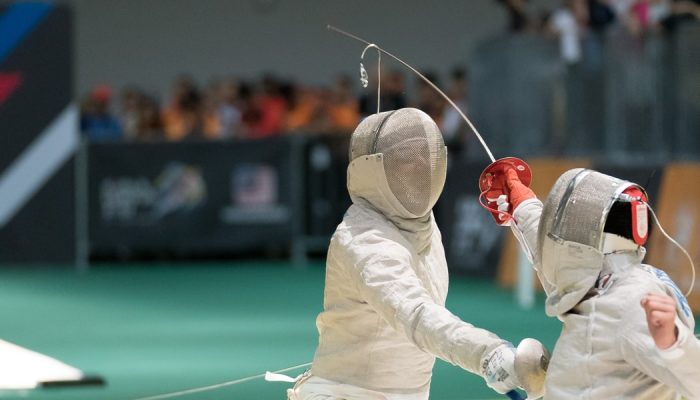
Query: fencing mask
x=570 y=235
x=406 y=147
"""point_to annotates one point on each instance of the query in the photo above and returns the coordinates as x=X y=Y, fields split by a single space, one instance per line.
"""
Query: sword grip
x=514 y=395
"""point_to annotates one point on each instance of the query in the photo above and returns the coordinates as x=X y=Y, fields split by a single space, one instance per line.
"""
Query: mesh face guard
x=578 y=205
x=415 y=157
x=570 y=235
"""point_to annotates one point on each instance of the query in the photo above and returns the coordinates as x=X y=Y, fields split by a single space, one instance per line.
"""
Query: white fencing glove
x=498 y=369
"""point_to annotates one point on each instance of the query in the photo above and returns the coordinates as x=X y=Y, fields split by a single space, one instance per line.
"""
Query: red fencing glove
x=495 y=192
x=517 y=191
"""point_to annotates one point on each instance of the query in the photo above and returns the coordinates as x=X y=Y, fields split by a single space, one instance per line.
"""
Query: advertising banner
x=190 y=198
x=38 y=132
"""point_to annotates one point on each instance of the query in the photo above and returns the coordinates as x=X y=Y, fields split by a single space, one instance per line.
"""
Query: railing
x=629 y=98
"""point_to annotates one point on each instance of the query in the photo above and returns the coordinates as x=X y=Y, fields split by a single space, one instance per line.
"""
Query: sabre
x=426 y=80
x=501 y=212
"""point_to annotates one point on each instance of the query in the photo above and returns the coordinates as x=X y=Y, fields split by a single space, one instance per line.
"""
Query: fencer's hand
x=517 y=191
x=660 y=310
x=498 y=369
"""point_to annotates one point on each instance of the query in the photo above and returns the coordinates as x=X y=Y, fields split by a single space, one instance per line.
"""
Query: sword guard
x=494 y=189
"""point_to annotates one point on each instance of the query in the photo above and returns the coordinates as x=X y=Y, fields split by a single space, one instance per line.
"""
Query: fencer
x=586 y=243
x=384 y=319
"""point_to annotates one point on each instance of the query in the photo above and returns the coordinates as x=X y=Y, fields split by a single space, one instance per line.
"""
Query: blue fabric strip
x=17 y=22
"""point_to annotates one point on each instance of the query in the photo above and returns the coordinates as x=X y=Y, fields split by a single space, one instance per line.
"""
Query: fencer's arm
x=527 y=209
x=527 y=220
x=683 y=359
x=386 y=281
x=677 y=366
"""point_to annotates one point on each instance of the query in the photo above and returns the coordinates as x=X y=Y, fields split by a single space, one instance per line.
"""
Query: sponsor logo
x=255 y=196
x=668 y=282
x=178 y=189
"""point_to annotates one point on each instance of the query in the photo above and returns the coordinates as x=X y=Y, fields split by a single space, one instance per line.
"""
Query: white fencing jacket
x=384 y=319
x=605 y=350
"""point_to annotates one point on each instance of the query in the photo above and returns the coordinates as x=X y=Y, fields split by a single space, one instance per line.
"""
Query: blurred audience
x=569 y=23
x=96 y=120
x=271 y=107
x=231 y=108
x=304 y=110
x=427 y=99
x=520 y=18
x=393 y=92
x=211 y=121
x=182 y=117
x=130 y=113
x=682 y=11
x=149 y=126
x=600 y=15
x=343 y=110
x=454 y=129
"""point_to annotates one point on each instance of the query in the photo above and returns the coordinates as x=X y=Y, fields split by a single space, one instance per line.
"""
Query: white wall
x=149 y=42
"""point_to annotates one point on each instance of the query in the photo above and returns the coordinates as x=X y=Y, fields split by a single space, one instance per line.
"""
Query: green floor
x=151 y=329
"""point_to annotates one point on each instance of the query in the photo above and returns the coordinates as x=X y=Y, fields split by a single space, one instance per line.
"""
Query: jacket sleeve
x=527 y=217
x=382 y=272
x=683 y=359
x=678 y=366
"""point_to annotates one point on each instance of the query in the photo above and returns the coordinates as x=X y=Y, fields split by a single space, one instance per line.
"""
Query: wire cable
x=426 y=80
x=690 y=259
x=216 y=386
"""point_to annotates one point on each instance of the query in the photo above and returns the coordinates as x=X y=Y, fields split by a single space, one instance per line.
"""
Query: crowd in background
x=235 y=109
x=232 y=108
x=575 y=20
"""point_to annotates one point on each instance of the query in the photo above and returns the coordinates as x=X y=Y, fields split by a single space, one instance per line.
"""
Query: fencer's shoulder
x=628 y=289
x=668 y=286
x=643 y=278
x=640 y=281
x=365 y=227
x=654 y=279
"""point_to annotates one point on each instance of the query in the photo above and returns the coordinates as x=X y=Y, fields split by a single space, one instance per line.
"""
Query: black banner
x=471 y=237
x=38 y=134
x=326 y=184
x=191 y=198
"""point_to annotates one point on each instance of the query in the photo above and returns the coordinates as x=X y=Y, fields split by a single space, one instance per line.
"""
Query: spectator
x=343 y=108
x=149 y=127
x=95 y=119
x=271 y=106
x=519 y=19
x=600 y=15
x=130 y=103
x=211 y=124
x=644 y=16
x=229 y=110
x=182 y=117
x=633 y=15
x=648 y=14
x=682 y=11
x=250 y=113
x=569 y=24
x=453 y=127
x=392 y=93
x=303 y=110
x=427 y=99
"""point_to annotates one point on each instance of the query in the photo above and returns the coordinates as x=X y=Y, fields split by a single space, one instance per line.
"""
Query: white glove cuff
x=525 y=203
x=498 y=368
